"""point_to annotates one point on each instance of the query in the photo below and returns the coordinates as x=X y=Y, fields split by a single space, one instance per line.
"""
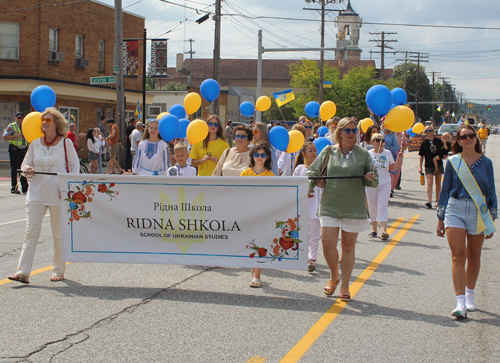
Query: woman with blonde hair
x=51 y=153
x=234 y=160
x=152 y=156
x=206 y=154
x=342 y=208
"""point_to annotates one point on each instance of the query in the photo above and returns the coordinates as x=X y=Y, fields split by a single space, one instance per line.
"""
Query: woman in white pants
x=378 y=198
x=51 y=153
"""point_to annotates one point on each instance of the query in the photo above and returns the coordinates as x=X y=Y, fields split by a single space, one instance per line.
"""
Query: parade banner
x=212 y=221
x=130 y=54
x=159 y=66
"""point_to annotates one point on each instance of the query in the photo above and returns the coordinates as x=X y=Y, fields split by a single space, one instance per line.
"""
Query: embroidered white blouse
x=44 y=189
x=151 y=158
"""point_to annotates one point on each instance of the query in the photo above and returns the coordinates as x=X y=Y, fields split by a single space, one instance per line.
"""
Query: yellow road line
x=36 y=272
x=296 y=353
x=410 y=154
x=256 y=360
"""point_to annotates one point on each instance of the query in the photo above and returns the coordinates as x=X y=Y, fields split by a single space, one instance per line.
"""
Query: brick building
x=62 y=44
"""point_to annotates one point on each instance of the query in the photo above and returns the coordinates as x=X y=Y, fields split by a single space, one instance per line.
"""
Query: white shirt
x=135 y=139
x=381 y=162
x=152 y=158
x=286 y=163
x=93 y=146
x=44 y=189
x=176 y=170
x=300 y=170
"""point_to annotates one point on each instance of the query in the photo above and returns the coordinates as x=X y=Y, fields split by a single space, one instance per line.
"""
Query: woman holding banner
x=234 y=160
x=466 y=209
x=343 y=204
x=51 y=153
x=206 y=154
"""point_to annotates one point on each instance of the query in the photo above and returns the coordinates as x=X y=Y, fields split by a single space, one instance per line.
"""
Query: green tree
x=171 y=86
x=150 y=81
x=274 y=112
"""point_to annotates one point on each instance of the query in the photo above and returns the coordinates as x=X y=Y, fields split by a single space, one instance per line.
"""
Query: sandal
x=372 y=235
x=428 y=205
x=255 y=282
x=384 y=236
x=56 y=277
x=311 y=266
x=120 y=172
x=330 y=288
x=345 y=295
x=19 y=277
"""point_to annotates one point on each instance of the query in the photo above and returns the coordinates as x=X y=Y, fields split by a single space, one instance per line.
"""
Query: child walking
x=307 y=155
x=260 y=165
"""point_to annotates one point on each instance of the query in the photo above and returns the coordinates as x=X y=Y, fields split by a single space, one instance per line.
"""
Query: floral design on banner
x=286 y=246
x=83 y=194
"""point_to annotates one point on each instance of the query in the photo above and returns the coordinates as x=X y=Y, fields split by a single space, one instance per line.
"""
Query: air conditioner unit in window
x=56 y=56
x=81 y=62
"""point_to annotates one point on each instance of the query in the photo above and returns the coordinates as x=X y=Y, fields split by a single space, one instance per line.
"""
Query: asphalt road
x=159 y=313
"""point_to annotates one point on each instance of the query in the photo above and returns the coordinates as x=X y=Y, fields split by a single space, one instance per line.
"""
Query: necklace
x=47 y=142
x=346 y=151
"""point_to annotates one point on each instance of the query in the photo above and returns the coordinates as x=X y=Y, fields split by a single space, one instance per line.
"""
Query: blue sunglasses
x=237 y=137
x=213 y=124
x=348 y=131
x=261 y=155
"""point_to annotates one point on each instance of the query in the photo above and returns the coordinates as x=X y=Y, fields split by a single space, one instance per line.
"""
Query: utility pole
x=420 y=58
x=190 y=80
x=216 y=61
x=433 y=93
x=382 y=46
x=120 y=92
x=322 y=52
x=258 y=114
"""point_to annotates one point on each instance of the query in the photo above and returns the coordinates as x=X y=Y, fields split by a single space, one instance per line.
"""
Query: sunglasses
x=47 y=120
x=308 y=127
x=213 y=124
x=348 y=131
x=467 y=136
x=242 y=137
x=428 y=131
x=19 y=116
x=259 y=155
x=255 y=132
x=379 y=140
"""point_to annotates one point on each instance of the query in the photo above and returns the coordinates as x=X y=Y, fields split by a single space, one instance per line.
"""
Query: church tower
x=348 y=23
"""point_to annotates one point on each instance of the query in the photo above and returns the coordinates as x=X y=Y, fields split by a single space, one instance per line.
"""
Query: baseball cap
x=20 y=114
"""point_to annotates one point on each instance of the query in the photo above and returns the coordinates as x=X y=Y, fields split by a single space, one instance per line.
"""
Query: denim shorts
x=461 y=213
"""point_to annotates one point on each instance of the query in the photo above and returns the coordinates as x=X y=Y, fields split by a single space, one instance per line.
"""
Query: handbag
x=66 y=155
x=322 y=182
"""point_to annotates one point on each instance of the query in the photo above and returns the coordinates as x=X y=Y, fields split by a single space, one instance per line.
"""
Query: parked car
x=451 y=128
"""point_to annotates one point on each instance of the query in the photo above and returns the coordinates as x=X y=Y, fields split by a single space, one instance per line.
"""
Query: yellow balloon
x=192 y=102
x=366 y=123
x=327 y=110
x=161 y=115
x=32 y=126
x=263 y=103
x=296 y=141
x=399 y=119
x=418 y=128
x=196 y=131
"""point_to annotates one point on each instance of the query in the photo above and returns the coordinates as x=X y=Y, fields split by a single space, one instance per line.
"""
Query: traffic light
x=494 y=117
x=488 y=108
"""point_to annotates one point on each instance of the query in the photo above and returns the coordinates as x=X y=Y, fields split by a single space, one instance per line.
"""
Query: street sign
x=116 y=69
x=103 y=80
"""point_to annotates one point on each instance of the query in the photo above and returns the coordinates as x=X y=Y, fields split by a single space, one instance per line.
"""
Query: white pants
x=378 y=199
x=35 y=214
x=314 y=236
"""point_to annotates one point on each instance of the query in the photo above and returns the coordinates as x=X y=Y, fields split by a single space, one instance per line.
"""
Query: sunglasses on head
x=348 y=131
x=428 y=131
x=259 y=155
x=213 y=124
x=467 y=136
x=242 y=137
x=47 y=120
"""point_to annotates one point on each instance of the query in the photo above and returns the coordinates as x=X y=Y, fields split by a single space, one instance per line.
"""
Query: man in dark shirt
x=128 y=154
x=429 y=149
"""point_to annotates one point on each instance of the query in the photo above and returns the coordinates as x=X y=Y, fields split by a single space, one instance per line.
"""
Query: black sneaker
x=392 y=194
x=398 y=188
x=15 y=191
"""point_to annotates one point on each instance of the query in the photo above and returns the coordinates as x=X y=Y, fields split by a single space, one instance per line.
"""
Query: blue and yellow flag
x=138 y=114
x=283 y=97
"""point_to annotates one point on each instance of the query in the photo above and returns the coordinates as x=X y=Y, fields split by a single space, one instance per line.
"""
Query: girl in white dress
x=152 y=157
x=306 y=157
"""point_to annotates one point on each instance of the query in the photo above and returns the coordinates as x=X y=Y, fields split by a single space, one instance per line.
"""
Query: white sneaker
x=469 y=303
x=460 y=311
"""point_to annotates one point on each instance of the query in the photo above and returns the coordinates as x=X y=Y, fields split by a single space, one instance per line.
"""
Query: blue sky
x=469 y=57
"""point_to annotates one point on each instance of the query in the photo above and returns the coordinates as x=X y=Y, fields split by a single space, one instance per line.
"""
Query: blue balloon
x=399 y=96
x=312 y=109
x=321 y=143
x=178 y=111
x=409 y=130
x=379 y=100
x=168 y=127
x=322 y=131
x=247 y=108
x=43 y=97
x=183 y=124
x=279 y=138
x=411 y=134
x=210 y=89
